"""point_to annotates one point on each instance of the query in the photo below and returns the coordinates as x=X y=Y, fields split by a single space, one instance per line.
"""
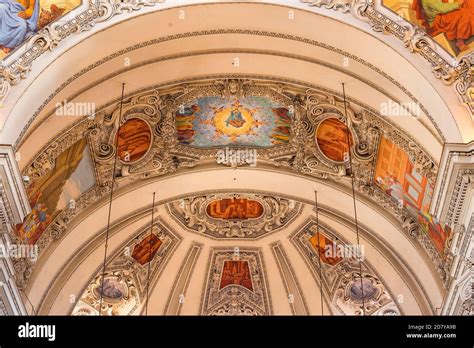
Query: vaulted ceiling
x=281 y=70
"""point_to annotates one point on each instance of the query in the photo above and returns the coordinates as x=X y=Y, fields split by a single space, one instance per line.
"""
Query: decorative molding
x=178 y=293
x=301 y=155
x=249 y=299
x=415 y=39
x=14 y=205
x=293 y=289
x=3 y=308
x=455 y=181
x=438 y=134
x=10 y=297
x=460 y=297
x=453 y=199
x=47 y=39
x=193 y=214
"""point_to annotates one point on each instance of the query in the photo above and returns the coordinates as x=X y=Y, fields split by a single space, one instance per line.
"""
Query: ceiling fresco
x=449 y=23
x=150 y=145
x=342 y=284
x=134 y=140
x=237 y=277
x=126 y=275
x=246 y=121
x=332 y=137
x=236 y=283
x=72 y=175
x=247 y=168
x=396 y=175
x=233 y=215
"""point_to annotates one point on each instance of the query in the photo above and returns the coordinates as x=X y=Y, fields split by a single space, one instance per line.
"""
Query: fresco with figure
x=396 y=175
x=20 y=19
x=71 y=176
x=247 y=121
x=234 y=208
x=449 y=22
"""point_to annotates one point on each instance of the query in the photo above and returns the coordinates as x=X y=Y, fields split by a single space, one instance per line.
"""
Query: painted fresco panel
x=396 y=175
x=72 y=175
x=248 y=121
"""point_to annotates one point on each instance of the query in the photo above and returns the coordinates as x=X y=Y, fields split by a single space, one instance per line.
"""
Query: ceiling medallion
x=234 y=216
x=134 y=140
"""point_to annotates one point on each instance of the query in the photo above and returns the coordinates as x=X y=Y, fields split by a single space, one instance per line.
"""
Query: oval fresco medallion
x=331 y=138
x=134 y=140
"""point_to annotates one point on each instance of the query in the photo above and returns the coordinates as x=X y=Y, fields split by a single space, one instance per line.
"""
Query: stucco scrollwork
x=232 y=215
x=156 y=111
x=121 y=289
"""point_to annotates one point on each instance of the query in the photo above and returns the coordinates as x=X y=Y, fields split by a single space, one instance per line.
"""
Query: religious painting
x=331 y=137
x=72 y=175
x=326 y=249
x=231 y=215
x=146 y=249
x=111 y=289
x=21 y=19
x=134 y=140
x=449 y=22
x=247 y=121
x=362 y=289
x=396 y=175
x=236 y=273
x=235 y=208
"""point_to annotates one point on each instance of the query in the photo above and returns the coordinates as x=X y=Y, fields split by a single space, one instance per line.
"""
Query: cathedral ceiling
x=177 y=49
x=233 y=122
x=268 y=134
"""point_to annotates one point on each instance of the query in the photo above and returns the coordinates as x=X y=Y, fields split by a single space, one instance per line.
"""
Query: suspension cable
x=112 y=184
x=351 y=174
x=318 y=235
